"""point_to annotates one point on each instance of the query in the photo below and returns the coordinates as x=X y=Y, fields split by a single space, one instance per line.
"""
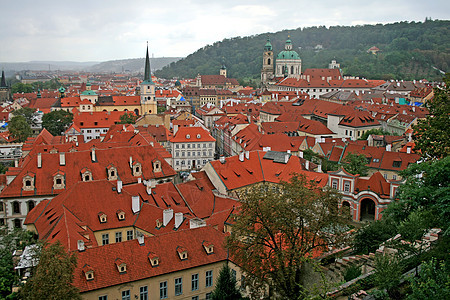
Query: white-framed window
x=118 y=237
x=178 y=286
x=163 y=290
x=126 y=295
x=105 y=239
x=334 y=183
x=143 y=293
x=129 y=235
x=209 y=278
x=347 y=186
x=194 y=282
x=104 y=297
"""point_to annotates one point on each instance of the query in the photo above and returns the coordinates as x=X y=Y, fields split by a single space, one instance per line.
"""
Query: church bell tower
x=147 y=90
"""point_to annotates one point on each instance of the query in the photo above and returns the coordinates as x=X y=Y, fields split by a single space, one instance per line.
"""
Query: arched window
x=16 y=207
x=292 y=69
x=31 y=205
x=268 y=61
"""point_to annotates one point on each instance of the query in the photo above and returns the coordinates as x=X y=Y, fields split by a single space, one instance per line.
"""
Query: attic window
x=153 y=259
x=188 y=136
x=396 y=164
x=209 y=247
x=121 y=215
x=58 y=181
x=157 y=166
x=86 y=175
x=28 y=183
x=182 y=253
x=88 y=272
x=121 y=266
x=137 y=169
x=102 y=217
x=198 y=136
x=112 y=172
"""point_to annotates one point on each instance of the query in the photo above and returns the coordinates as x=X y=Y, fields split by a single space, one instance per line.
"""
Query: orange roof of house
x=192 y=134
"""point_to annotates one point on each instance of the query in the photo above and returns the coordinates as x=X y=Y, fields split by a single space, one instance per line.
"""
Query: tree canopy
x=355 y=163
x=56 y=122
x=28 y=113
x=19 y=128
x=52 y=278
x=279 y=229
x=432 y=135
x=128 y=118
x=225 y=288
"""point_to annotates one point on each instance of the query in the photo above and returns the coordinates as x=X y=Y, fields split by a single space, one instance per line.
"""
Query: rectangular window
x=105 y=239
x=195 y=298
x=126 y=295
x=194 y=282
x=129 y=235
x=143 y=292
x=334 y=184
x=104 y=297
x=394 y=177
x=347 y=186
x=233 y=273
x=178 y=286
x=209 y=278
x=118 y=237
x=163 y=290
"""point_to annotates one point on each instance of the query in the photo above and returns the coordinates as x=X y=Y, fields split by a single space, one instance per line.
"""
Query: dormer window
x=209 y=247
x=156 y=166
x=188 y=136
x=198 y=136
x=112 y=172
x=158 y=223
x=121 y=266
x=137 y=169
x=28 y=182
x=58 y=180
x=88 y=272
x=102 y=217
x=121 y=215
x=182 y=253
x=86 y=174
x=153 y=259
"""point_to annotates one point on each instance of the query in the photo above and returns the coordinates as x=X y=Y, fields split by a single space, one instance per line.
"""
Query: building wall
x=153 y=284
x=183 y=155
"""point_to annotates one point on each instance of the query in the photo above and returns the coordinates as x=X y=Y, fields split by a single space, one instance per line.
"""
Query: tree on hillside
x=19 y=128
x=432 y=135
x=20 y=87
x=128 y=118
x=56 y=122
x=225 y=288
x=356 y=164
x=52 y=278
x=278 y=231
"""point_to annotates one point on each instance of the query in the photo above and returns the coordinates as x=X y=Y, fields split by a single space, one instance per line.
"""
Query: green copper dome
x=268 y=46
x=88 y=92
x=288 y=54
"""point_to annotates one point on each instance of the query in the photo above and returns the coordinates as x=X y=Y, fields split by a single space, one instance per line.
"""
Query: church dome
x=288 y=54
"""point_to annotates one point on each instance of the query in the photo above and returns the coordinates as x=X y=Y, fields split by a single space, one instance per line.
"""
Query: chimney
x=94 y=158
x=247 y=155
x=408 y=149
x=39 y=160
x=131 y=162
x=300 y=153
x=119 y=186
x=16 y=163
x=222 y=159
x=307 y=165
x=388 y=147
x=62 y=159
x=135 y=204
x=241 y=156
x=288 y=151
x=178 y=219
x=286 y=158
x=167 y=216
x=319 y=168
x=140 y=238
x=139 y=180
x=80 y=245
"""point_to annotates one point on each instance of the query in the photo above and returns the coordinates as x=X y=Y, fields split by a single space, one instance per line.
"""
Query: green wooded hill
x=409 y=50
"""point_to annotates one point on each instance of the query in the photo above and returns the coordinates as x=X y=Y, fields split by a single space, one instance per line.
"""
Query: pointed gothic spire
x=147 y=73
x=3 y=81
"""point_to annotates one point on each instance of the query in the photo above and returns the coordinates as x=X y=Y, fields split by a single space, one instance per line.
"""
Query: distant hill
x=132 y=65
x=409 y=50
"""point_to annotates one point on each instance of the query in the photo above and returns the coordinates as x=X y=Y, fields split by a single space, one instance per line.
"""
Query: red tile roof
x=196 y=134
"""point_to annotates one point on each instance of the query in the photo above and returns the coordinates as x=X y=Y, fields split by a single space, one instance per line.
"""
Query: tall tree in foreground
x=225 y=288
x=280 y=229
x=57 y=121
x=432 y=135
x=356 y=164
x=53 y=276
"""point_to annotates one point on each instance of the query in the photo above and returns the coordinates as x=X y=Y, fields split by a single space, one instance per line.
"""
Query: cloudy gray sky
x=117 y=29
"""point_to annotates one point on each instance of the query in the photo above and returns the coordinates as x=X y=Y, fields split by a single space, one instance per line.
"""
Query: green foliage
x=20 y=87
x=433 y=281
x=19 y=128
x=225 y=288
x=4 y=166
x=432 y=135
x=282 y=226
x=10 y=241
x=327 y=165
x=375 y=131
x=52 y=278
x=27 y=112
x=352 y=272
x=368 y=238
x=388 y=272
x=356 y=164
x=56 y=122
x=409 y=51
x=128 y=118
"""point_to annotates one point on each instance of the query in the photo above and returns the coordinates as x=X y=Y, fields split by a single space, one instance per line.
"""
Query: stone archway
x=367 y=209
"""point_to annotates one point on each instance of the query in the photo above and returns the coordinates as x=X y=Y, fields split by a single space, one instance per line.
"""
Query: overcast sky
x=98 y=30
